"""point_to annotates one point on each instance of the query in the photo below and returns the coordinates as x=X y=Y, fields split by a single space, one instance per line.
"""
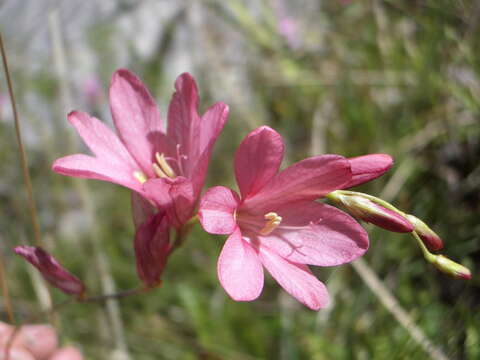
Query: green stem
x=426 y=254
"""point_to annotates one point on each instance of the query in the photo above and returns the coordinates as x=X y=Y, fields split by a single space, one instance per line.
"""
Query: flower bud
x=51 y=270
x=431 y=240
x=369 y=211
x=451 y=268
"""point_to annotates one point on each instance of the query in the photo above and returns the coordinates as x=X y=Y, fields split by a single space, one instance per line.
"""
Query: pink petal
x=84 y=166
x=211 y=125
x=102 y=141
x=296 y=279
x=316 y=234
x=258 y=159
x=67 y=353
x=51 y=270
x=174 y=196
x=308 y=179
x=217 y=210
x=239 y=269
x=152 y=248
x=183 y=119
x=142 y=209
x=368 y=167
x=136 y=118
x=183 y=199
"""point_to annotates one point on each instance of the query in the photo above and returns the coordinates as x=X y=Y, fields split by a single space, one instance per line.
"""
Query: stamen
x=140 y=176
x=166 y=169
x=159 y=171
x=273 y=221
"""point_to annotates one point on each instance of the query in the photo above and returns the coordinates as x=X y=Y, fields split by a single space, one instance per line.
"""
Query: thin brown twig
x=23 y=154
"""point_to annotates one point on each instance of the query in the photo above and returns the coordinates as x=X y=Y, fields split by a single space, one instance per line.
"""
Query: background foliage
x=356 y=77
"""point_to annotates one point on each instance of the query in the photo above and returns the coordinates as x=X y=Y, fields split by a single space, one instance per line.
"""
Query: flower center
x=161 y=168
x=273 y=221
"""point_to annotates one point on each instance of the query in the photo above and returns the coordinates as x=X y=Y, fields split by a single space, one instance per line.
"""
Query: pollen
x=273 y=221
x=162 y=168
x=140 y=176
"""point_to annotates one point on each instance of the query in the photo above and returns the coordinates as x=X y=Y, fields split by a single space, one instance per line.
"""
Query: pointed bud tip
x=429 y=237
x=451 y=268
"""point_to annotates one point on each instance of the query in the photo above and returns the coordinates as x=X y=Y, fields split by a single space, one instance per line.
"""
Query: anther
x=158 y=171
x=273 y=221
x=140 y=176
x=166 y=169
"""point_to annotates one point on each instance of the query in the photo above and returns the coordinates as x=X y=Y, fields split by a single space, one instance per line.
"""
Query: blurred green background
x=357 y=77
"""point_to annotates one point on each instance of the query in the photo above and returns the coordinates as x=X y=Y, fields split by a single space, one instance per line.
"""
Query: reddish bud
x=431 y=240
x=368 y=167
x=369 y=211
x=152 y=248
x=451 y=268
x=51 y=270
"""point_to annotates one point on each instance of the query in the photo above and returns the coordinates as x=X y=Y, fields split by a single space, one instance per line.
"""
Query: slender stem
x=23 y=154
x=119 y=295
x=426 y=254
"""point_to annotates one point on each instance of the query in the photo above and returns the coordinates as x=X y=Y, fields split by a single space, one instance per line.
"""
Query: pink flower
x=142 y=151
x=51 y=270
x=277 y=224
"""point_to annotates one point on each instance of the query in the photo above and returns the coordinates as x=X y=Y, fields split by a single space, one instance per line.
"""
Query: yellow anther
x=273 y=221
x=166 y=169
x=140 y=176
x=159 y=171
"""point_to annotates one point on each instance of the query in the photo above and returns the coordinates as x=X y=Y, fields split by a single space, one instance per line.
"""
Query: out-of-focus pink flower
x=51 y=270
x=67 y=353
x=34 y=342
x=40 y=340
x=16 y=353
x=287 y=27
x=92 y=88
x=277 y=224
x=142 y=157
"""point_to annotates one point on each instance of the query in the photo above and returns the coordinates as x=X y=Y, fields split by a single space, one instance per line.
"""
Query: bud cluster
x=382 y=214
